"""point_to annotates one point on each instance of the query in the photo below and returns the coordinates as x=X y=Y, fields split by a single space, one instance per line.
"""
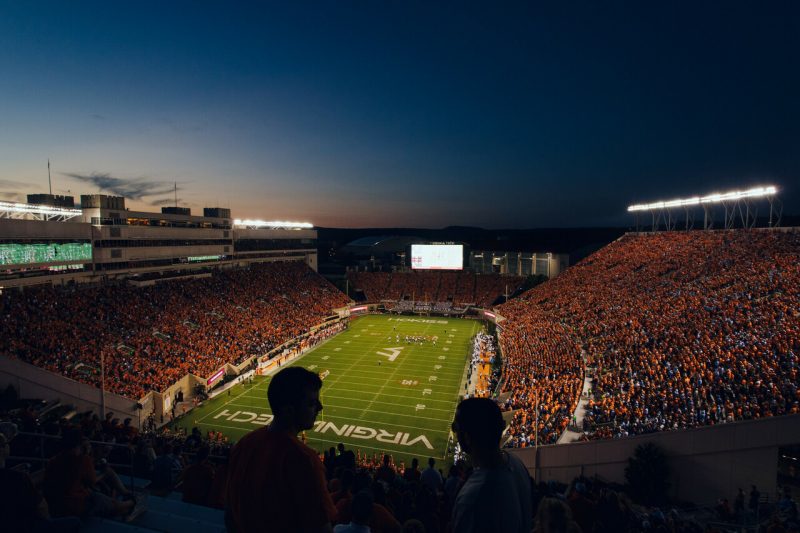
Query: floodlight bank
x=38 y=209
x=271 y=224
x=756 y=192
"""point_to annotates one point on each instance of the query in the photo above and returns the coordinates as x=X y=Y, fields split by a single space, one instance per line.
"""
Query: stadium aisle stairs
x=164 y=515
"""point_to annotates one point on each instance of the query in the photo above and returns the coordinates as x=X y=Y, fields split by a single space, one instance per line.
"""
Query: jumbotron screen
x=23 y=254
x=437 y=256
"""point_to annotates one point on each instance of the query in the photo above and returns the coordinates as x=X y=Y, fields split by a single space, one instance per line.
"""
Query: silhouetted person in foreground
x=275 y=482
x=497 y=496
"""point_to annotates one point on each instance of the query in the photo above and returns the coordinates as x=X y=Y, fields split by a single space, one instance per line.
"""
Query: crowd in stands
x=312 y=339
x=51 y=496
x=457 y=288
x=542 y=374
x=442 y=307
x=409 y=306
x=685 y=329
x=150 y=337
x=482 y=364
x=464 y=290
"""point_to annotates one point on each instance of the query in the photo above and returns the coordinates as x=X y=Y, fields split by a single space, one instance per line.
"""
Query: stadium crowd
x=402 y=498
x=685 y=328
x=461 y=288
x=542 y=370
x=150 y=337
x=88 y=460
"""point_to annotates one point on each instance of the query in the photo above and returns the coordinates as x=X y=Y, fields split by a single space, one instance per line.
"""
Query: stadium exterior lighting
x=38 y=212
x=273 y=224
x=756 y=192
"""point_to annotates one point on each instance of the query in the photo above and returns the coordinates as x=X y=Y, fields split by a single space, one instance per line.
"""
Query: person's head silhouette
x=293 y=395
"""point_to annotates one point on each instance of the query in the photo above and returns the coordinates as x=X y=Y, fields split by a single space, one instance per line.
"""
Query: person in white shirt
x=497 y=496
x=431 y=477
x=362 y=512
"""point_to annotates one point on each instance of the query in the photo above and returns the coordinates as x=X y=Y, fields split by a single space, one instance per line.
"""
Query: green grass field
x=380 y=394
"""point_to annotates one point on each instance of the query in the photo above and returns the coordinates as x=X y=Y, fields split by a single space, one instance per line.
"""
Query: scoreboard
x=437 y=256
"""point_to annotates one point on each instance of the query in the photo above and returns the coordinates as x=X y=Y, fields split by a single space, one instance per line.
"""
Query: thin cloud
x=166 y=201
x=9 y=184
x=133 y=189
x=12 y=196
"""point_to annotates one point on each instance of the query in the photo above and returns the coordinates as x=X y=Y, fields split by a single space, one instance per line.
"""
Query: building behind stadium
x=51 y=240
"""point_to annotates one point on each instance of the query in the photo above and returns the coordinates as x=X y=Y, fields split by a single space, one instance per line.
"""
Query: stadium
x=158 y=335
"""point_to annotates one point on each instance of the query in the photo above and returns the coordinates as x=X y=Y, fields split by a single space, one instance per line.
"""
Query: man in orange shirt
x=275 y=482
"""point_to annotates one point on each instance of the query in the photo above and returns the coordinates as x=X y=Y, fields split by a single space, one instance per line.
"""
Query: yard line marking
x=413 y=366
x=445 y=382
x=404 y=396
x=337 y=406
x=412 y=415
x=391 y=377
x=384 y=403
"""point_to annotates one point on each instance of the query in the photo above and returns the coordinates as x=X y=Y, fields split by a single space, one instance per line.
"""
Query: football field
x=381 y=391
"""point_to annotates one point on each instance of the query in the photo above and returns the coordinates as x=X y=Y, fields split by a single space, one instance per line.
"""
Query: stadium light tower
x=733 y=202
x=20 y=211
x=271 y=224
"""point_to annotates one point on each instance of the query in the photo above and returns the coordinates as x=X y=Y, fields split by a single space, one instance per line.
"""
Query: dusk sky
x=354 y=114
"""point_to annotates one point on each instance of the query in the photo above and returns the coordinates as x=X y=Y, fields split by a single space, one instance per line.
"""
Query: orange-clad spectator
x=459 y=288
x=152 y=336
x=275 y=482
x=684 y=328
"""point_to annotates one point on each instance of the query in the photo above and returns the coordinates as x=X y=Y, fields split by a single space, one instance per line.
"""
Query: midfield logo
x=322 y=427
x=393 y=352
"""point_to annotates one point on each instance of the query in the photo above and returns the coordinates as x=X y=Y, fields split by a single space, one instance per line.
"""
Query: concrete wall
x=706 y=463
x=33 y=382
x=159 y=232
x=103 y=255
x=266 y=233
x=12 y=229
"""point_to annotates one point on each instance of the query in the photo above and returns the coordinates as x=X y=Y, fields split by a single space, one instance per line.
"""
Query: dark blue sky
x=401 y=114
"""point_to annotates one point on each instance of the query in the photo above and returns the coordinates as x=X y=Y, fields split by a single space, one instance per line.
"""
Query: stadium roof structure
x=20 y=211
x=737 y=205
